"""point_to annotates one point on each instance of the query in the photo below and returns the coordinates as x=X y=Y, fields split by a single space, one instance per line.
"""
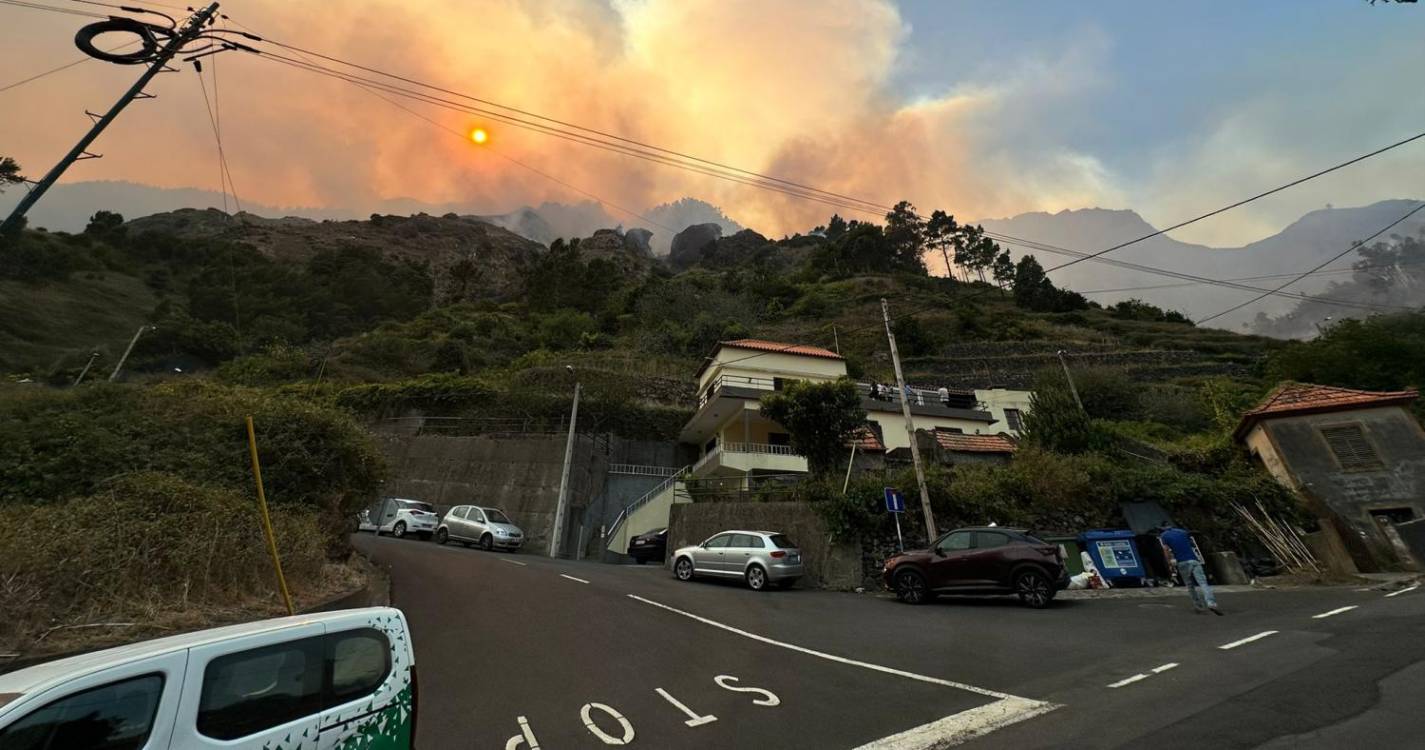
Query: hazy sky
x=984 y=109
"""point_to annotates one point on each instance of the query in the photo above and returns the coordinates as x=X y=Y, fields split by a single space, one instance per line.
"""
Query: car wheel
x=442 y=536
x=683 y=569
x=1034 y=588
x=399 y=530
x=756 y=578
x=911 y=587
x=487 y=542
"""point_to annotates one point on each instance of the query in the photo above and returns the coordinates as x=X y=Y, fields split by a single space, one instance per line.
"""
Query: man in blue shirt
x=1190 y=568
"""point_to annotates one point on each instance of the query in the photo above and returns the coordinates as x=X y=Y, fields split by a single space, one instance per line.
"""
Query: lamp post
x=115 y=374
x=557 y=536
x=92 y=356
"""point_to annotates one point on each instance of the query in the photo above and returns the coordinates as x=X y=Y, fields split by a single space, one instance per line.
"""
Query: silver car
x=762 y=558
x=472 y=524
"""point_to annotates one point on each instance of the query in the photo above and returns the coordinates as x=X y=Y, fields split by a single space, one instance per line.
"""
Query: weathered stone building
x=1357 y=459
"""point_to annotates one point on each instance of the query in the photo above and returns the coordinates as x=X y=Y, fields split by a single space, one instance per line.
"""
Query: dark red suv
x=988 y=560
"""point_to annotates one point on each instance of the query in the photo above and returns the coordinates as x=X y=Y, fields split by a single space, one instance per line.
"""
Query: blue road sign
x=895 y=501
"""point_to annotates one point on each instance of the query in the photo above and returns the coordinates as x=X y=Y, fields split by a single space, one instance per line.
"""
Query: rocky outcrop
x=498 y=255
x=615 y=247
x=689 y=244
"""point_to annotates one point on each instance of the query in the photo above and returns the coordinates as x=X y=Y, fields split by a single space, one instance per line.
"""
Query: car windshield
x=416 y=505
x=495 y=516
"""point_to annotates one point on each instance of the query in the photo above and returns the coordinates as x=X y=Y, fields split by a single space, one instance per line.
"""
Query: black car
x=981 y=560
x=650 y=546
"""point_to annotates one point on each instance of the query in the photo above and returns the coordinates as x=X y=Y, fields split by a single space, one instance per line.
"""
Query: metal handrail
x=644 y=470
x=640 y=502
x=717 y=384
x=766 y=448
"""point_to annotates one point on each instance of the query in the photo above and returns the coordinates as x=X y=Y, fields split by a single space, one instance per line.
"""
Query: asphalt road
x=520 y=651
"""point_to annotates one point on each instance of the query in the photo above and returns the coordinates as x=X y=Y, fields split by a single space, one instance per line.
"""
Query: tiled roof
x=954 y=441
x=773 y=346
x=1305 y=398
x=866 y=441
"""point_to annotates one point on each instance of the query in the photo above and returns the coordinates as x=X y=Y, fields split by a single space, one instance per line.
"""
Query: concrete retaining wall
x=835 y=565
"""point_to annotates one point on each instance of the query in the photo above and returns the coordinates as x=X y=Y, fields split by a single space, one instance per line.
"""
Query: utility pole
x=1069 y=377
x=125 y=358
x=930 y=529
x=92 y=356
x=80 y=151
x=556 y=537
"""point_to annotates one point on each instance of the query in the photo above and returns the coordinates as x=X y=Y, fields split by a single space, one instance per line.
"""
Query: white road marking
x=525 y=737
x=1402 y=591
x=824 y=655
x=967 y=725
x=694 y=719
x=572 y=578
x=1164 y=668
x=951 y=730
x=1248 y=639
x=514 y=562
x=1336 y=611
x=770 y=698
x=1128 y=680
x=603 y=736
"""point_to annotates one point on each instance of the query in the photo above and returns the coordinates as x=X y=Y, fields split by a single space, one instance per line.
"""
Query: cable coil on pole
x=148 y=34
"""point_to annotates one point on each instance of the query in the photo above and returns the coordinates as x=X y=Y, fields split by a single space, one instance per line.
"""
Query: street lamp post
x=556 y=537
x=92 y=356
x=127 y=351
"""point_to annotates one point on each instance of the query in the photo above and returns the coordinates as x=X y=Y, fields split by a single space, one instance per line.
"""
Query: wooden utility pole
x=1069 y=377
x=930 y=530
x=558 y=533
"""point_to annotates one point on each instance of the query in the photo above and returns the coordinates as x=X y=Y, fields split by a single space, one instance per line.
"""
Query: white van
x=326 y=681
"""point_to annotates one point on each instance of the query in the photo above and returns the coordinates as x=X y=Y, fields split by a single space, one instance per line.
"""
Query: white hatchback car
x=341 y=679
x=398 y=517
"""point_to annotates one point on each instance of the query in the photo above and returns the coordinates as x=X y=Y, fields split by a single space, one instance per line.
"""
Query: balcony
x=742 y=458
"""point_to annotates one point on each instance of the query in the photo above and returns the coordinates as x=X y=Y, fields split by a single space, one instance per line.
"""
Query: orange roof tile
x=1305 y=398
x=866 y=441
x=954 y=441
x=773 y=346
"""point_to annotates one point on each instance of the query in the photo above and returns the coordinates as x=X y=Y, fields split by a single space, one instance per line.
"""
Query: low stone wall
x=829 y=564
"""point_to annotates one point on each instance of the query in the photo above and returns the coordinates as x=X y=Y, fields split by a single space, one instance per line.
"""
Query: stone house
x=1357 y=460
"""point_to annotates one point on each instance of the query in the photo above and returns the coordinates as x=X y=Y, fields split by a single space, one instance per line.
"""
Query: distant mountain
x=1305 y=243
x=68 y=206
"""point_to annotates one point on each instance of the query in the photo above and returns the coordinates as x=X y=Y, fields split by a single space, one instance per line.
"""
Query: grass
x=59 y=323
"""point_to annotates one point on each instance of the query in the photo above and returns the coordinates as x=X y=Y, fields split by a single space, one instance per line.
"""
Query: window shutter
x=1352 y=450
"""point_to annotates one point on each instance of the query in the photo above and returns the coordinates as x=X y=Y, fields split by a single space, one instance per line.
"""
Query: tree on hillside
x=835 y=228
x=905 y=237
x=1382 y=352
x=821 y=418
x=940 y=232
x=9 y=173
x=1003 y=269
x=1034 y=291
x=1055 y=422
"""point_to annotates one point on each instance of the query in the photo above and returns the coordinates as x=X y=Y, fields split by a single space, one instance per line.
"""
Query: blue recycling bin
x=1116 y=555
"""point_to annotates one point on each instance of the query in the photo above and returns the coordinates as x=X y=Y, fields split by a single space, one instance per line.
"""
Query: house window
x=1351 y=448
x=779 y=438
x=1012 y=417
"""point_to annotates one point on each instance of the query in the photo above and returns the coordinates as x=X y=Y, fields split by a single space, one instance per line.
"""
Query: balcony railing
x=776 y=450
x=735 y=381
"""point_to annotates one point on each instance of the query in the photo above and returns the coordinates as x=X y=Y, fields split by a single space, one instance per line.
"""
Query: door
x=369 y=696
x=130 y=706
x=455 y=522
x=709 y=558
x=263 y=690
x=740 y=550
x=987 y=564
x=388 y=515
x=476 y=524
x=947 y=563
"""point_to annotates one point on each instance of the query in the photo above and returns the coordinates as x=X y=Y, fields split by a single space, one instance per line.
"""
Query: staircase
x=648 y=512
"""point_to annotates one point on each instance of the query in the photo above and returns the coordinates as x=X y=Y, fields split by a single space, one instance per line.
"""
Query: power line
x=1244 y=201
x=1353 y=269
x=52 y=9
x=1354 y=246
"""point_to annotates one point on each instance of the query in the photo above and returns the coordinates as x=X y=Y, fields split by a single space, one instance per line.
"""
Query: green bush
x=66 y=444
x=278 y=363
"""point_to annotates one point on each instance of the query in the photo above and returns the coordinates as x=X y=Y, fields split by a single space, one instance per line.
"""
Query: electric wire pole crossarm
x=157 y=64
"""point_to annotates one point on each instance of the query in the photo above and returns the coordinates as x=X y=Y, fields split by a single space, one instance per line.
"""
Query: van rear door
x=371 y=698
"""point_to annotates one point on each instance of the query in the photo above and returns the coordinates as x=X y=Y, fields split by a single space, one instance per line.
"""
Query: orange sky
x=801 y=93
